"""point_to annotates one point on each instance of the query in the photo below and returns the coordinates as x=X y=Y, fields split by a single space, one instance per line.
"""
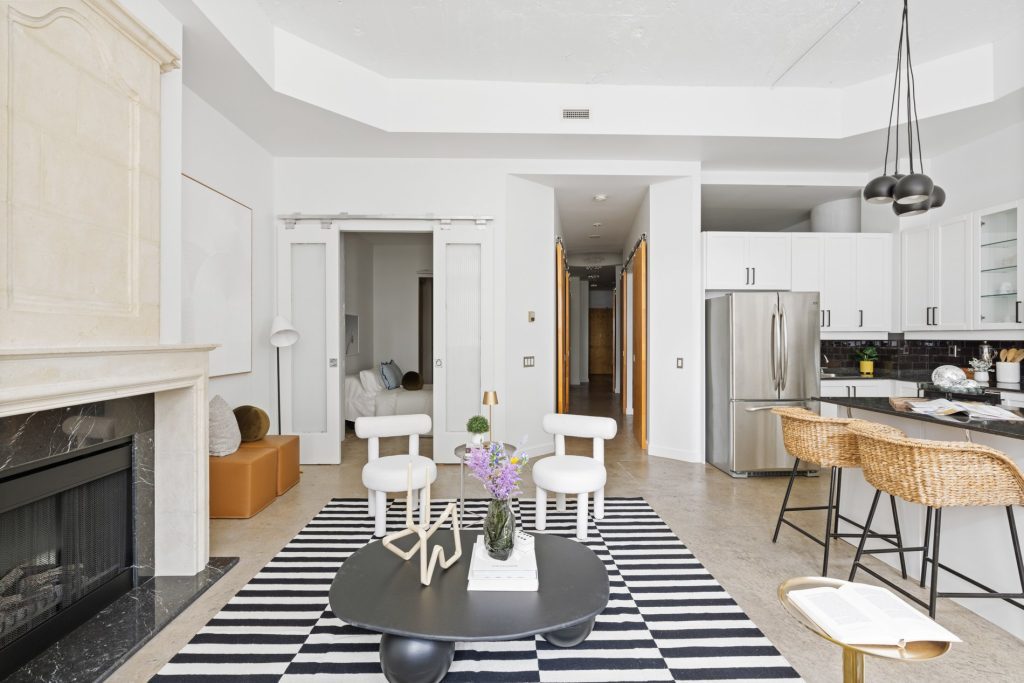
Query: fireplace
x=67 y=546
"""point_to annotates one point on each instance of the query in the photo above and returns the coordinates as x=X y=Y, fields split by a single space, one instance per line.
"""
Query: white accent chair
x=573 y=474
x=389 y=474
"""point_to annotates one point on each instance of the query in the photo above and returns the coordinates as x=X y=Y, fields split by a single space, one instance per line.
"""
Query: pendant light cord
x=910 y=117
x=894 y=106
x=912 y=91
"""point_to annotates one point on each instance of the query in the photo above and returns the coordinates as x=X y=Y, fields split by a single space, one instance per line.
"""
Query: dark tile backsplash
x=903 y=355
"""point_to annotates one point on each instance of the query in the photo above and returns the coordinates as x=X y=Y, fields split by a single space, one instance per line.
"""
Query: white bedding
x=361 y=402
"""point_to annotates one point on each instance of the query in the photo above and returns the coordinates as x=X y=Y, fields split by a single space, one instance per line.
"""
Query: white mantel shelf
x=32 y=380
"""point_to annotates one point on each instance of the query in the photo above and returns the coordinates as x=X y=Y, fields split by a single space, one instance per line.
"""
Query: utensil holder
x=1008 y=372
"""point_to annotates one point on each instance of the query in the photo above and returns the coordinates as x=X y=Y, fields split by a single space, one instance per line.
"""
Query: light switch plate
x=679 y=363
x=528 y=361
x=531 y=316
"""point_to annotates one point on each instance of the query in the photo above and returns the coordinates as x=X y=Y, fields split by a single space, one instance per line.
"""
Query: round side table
x=853 y=655
x=460 y=453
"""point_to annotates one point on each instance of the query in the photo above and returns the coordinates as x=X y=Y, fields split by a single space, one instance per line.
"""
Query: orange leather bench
x=243 y=483
x=287 y=447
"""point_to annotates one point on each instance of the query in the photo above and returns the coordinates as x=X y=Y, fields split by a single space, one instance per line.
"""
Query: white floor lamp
x=281 y=334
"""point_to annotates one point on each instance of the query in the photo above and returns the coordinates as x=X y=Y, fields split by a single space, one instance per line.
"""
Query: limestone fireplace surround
x=176 y=375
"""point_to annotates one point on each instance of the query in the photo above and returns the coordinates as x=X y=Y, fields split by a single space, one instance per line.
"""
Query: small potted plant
x=867 y=357
x=477 y=426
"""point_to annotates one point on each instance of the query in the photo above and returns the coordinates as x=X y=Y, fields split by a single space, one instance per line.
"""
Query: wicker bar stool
x=939 y=474
x=826 y=442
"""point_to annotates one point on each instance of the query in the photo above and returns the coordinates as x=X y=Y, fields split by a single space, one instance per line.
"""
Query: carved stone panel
x=79 y=189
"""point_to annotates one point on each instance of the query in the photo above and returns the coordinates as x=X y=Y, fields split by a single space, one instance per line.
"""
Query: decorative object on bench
x=424 y=530
x=477 y=426
x=282 y=334
x=287 y=448
x=242 y=483
x=253 y=422
x=411 y=381
x=224 y=434
x=501 y=474
x=867 y=357
x=981 y=368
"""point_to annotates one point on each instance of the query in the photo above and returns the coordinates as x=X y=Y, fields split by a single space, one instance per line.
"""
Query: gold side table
x=853 y=655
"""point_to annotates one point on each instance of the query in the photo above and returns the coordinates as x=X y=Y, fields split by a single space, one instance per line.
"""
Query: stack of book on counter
x=517 y=573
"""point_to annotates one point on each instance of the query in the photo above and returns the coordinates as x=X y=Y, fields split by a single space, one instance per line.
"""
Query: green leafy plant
x=867 y=353
x=477 y=425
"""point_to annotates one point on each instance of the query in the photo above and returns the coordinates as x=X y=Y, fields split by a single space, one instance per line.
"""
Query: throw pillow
x=224 y=434
x=391 y=374
x=411 y=381
x=253 y=422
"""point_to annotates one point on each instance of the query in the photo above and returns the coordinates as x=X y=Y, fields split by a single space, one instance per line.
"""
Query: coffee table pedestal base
x=415 y=660
x=570 y=637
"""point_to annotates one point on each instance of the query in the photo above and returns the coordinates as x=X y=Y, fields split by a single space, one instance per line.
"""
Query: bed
x=365 y=396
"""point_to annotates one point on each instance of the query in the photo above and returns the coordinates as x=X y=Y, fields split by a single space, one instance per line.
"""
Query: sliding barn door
x=309 y=295
x=463 y=334
x=561 y=330
x=624 y=337
x=639 y=266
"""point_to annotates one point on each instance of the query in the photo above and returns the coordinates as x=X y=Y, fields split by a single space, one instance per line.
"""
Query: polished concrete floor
x=726 y=522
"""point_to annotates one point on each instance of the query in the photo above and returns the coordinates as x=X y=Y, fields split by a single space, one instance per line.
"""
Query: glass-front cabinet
x=999 y=267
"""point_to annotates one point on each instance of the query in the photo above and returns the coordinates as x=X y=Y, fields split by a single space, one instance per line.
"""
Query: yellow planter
x=867 y=368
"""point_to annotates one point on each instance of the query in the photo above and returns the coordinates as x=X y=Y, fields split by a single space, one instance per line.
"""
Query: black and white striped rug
x=667 y=618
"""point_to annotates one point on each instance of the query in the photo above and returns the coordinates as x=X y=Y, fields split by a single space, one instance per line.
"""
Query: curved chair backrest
x=374 y=428
x=937 y=473
x=584 y=426
x=812 y=438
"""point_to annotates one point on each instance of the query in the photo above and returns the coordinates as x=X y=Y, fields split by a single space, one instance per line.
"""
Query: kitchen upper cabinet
x=936 y=276
x=998 y=267
x=737 y=261
x=853 y=274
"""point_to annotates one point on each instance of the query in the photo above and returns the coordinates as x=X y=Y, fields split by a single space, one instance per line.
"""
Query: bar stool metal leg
x=839 y=492
x=899 y=536
x=1016 y=545
x=785 y=500
x=933 y=596
x=828 y=519
x=927 y=542
x=864 y=536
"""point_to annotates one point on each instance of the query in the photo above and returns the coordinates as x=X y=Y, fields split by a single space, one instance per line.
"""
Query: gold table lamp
x=490 y=400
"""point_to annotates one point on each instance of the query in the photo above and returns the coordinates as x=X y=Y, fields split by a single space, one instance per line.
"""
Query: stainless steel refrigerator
x=762 y=351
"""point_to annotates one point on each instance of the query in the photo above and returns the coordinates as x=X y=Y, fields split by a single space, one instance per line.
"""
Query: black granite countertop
x=1008 y=428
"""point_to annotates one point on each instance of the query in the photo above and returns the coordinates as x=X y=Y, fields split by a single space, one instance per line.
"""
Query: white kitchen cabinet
x=738 y=261
x=936 y=276
x=998 y=267
x=853 y=274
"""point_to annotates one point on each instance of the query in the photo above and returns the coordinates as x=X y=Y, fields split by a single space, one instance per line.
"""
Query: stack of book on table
x=517 y=573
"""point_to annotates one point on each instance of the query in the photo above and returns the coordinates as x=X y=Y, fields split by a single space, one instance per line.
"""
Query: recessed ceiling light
x=594 y=237
x=600 y=197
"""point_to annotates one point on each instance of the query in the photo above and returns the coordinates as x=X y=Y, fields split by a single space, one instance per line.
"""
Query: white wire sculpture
x=425 y=531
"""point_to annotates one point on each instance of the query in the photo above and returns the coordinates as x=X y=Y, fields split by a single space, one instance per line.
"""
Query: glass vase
x=499 y=529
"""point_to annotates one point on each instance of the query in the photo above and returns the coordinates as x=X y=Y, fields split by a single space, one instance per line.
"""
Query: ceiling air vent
x=575 y=113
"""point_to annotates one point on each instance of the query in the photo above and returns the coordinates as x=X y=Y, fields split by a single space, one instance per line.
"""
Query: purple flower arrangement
x=500 y=472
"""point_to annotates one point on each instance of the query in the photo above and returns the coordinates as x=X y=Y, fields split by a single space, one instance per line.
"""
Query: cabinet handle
x=847 y=391
x=1018 y=312
x=753 y=278
x=855 y=392
x=861 y=317
x=748 y=276
x=829 y=311
x=935 y=315
x=822 y=311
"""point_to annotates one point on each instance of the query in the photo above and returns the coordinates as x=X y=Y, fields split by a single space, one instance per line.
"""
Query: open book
x=858 y=614
x=980 y=411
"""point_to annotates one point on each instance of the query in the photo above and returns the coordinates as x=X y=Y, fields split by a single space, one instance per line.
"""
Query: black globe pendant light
x=912 y=193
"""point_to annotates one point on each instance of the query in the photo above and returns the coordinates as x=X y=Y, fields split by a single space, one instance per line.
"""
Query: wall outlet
x=528 y=361
x=679 y=363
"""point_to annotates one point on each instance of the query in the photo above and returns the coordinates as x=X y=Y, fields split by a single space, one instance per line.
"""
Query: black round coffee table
x=376 y=590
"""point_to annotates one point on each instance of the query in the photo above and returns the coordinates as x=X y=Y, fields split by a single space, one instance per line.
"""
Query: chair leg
x=864 y=536
x=380 y=518
x=424 y=510
x=828 y=518
x=839 y=493
x=413 y=501
x=785 y=500
x=369 y=503
x=927 y=544
x=540 y=519
x=899 y=536
x=599 y=504
x=1016 y=545
x=581 y=516
x=933 y=596
x=560 y=502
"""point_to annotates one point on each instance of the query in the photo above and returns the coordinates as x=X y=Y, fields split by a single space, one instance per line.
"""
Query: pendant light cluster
x=913 y=193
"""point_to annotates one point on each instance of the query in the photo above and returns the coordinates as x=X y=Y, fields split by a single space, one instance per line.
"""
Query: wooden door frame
x=640 y=312
x=561 y=329
x=623 y=390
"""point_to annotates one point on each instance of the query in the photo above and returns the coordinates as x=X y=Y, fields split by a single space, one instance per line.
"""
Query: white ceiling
x=577 y=210
x=641 y=42
x=760 y=207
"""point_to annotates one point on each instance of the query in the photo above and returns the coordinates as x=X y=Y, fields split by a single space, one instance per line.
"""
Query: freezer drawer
x=757 y=437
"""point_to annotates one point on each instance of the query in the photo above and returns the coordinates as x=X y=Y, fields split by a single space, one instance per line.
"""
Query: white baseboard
x=675 y=453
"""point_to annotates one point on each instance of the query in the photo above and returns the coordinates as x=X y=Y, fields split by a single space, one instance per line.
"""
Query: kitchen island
x=975 y=541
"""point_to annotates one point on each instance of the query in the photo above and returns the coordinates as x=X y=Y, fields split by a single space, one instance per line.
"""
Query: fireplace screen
x=58 y=547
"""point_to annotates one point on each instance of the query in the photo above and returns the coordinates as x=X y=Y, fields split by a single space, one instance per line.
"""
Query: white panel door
x=917 y=278
x=724 y=261
x=308 y=294
x=769 y=259
x=838 y=295
x=952 y=278
x=463 y=334
x=873 y=282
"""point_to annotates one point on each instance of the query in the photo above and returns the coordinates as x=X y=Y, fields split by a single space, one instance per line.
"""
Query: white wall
x=216 y=153
x=359 y=298
x=396 y=277
x=838 y=215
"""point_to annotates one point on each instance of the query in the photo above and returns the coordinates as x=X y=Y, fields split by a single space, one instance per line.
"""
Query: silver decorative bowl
x=948 y=376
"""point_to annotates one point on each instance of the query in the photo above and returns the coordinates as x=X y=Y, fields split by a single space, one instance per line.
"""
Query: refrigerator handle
x=784 y=353
x=775 y=349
